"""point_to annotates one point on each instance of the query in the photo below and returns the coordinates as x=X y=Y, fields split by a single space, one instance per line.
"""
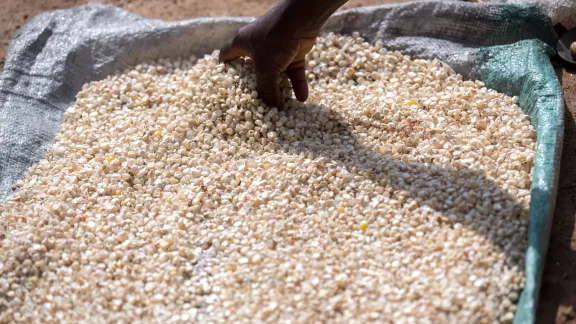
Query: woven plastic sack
x=560 y=11
x=506 y=45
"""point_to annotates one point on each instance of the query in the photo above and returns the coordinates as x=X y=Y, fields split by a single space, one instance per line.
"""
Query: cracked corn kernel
x=229 y=215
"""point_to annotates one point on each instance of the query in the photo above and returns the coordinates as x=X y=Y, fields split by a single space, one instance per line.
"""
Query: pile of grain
x=399 y=191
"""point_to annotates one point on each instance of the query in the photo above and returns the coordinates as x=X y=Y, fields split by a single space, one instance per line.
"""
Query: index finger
x=232 y=50
x=297 y=74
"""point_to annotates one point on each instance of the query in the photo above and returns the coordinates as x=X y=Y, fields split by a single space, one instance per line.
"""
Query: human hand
x=278 y=42
x=274 y=48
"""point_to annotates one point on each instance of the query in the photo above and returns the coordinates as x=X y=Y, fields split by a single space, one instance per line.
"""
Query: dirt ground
x=558 y=295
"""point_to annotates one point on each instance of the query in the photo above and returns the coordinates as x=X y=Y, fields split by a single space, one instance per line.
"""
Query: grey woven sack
x=507 y=46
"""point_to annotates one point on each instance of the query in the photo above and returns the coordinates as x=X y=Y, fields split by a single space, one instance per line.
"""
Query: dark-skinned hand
x=278 y=42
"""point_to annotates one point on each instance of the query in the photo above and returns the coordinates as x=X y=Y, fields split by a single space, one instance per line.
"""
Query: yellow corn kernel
x=411 y=103
x=110 y=159
x=363 y=226
x=340 y=209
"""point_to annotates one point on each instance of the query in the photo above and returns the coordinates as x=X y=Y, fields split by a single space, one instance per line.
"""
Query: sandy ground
x=558 y=296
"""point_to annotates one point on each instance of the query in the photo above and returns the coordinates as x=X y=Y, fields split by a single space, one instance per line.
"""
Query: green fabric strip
x=523 y=69
x=522 y=21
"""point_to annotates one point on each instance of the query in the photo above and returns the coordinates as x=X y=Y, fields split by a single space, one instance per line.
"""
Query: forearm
x=306 y=15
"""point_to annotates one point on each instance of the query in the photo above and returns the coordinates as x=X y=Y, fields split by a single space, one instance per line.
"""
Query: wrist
x=304 y=18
